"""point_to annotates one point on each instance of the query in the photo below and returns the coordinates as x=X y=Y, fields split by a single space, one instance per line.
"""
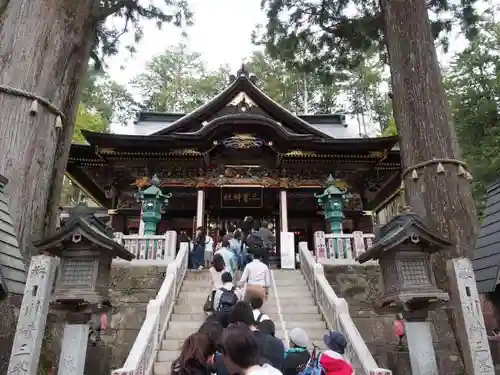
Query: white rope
x=34 y=105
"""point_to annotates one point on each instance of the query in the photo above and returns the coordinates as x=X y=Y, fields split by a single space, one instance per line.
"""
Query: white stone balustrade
x=341 y=249
x=335 y=311
x=142 y=356
x=149 y=250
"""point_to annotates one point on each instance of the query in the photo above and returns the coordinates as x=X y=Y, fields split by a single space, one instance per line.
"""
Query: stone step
x=301 y=317
x=167 y=355
x=172 y=344
x=309 y=325
x=291 y=288
x=287 y=308
x=162 y=368
x=289 y=282
x=181 y=330
x=195 y=307
x=293 y=293
x=191 y=317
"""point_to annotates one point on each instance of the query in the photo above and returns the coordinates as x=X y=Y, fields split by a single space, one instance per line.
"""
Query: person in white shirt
x=209 y=250
x=216 y=271
x=258 y=315
x=256 y=278
x=229 y=258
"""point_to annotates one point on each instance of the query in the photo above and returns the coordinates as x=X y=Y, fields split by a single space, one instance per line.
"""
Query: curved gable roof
x=245 y=85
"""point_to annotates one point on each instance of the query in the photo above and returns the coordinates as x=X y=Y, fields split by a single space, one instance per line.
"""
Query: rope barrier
x=34 y=105
x=461 y=171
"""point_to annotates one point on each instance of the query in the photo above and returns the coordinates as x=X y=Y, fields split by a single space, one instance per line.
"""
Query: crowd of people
x=238 y=337
x=235 y=247
x=246 y=346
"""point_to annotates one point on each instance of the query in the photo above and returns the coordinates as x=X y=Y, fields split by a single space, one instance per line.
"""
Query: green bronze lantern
x=332 y=201
x=153 y=203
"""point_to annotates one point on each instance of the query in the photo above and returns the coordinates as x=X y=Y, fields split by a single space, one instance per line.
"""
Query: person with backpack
x=259 y=316
x=225 y=298
x=256 y=278
x=297 y=357
x=332 y=360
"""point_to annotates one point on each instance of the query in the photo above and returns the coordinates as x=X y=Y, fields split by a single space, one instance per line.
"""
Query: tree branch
x=106 y=11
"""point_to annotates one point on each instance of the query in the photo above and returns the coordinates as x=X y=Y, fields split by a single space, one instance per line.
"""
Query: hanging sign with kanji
x=245 y=197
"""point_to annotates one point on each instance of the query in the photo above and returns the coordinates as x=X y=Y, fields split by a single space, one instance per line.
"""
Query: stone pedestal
x=33 y=316
x=74 y=349
x=421 y=348
x=469 y=318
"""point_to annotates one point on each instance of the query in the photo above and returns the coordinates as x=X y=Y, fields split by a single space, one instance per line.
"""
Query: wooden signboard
x=244 y=197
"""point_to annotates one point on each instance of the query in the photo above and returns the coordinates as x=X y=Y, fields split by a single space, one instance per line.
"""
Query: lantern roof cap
x=153 y=190
x=406 y=226
x=82 y=221
x=332 y=188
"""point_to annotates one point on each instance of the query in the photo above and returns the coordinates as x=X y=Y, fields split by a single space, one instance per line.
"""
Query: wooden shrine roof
x=12 y=268
x=486 y=260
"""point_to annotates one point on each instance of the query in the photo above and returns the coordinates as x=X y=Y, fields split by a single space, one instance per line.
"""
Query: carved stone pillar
x=33 y=315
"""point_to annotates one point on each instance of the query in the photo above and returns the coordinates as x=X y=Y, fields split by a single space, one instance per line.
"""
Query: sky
x=221 y=33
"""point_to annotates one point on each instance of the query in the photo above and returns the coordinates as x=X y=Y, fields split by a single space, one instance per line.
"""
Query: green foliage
x=88 y=120
x=131 y=12
x=331 y=35
x=106 y=97
x=178 y=81
x=391 y=128
x=473 y=83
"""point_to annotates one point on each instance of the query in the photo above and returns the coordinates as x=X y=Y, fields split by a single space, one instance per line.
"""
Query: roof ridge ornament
x=243 y=72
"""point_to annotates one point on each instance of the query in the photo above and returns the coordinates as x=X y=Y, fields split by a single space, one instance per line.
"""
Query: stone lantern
x=403 y=248
x=153 y=203
x=85 y=248
x=332 y=201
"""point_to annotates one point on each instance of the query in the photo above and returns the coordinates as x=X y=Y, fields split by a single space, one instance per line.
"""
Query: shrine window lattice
x=414 y=272
x=77 y=272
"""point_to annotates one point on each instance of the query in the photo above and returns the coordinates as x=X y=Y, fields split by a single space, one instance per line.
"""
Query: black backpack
x=227 y=300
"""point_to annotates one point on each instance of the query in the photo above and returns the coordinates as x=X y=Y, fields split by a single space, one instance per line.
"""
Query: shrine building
x=241 y=154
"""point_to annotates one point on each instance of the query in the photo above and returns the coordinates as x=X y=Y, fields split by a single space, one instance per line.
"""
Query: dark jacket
x=272 y=351
x=295 y=360
x=268 y=238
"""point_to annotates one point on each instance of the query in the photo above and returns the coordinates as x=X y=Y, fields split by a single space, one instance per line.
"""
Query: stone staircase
x=297 y=306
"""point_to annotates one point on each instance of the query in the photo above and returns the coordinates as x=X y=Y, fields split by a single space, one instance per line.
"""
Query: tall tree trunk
x=425 y=127
x=44 y=49
x=426 y=131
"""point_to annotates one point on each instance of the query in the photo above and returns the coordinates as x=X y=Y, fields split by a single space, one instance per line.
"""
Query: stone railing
x=335 y=311
x=142 y=356
x=149 y=250
x=341 y=248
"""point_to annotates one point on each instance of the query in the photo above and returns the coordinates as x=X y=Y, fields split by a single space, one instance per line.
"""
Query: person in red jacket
x=332 y=360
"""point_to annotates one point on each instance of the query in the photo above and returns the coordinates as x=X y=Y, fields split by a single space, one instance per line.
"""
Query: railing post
x=359 y=243
x=318 y=270
x=153 y=309
x=319 y=245
x=170 y=244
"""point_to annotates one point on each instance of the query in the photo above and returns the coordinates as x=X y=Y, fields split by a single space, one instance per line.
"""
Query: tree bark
x=426 y=131
x=44 y=49
x=425 y=127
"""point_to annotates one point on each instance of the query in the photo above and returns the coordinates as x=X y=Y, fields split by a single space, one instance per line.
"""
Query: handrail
x=335 y=311
x=142 y=356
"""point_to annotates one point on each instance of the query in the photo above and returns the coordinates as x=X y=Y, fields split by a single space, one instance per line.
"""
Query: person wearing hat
x=297 y=356
x=332 y=360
